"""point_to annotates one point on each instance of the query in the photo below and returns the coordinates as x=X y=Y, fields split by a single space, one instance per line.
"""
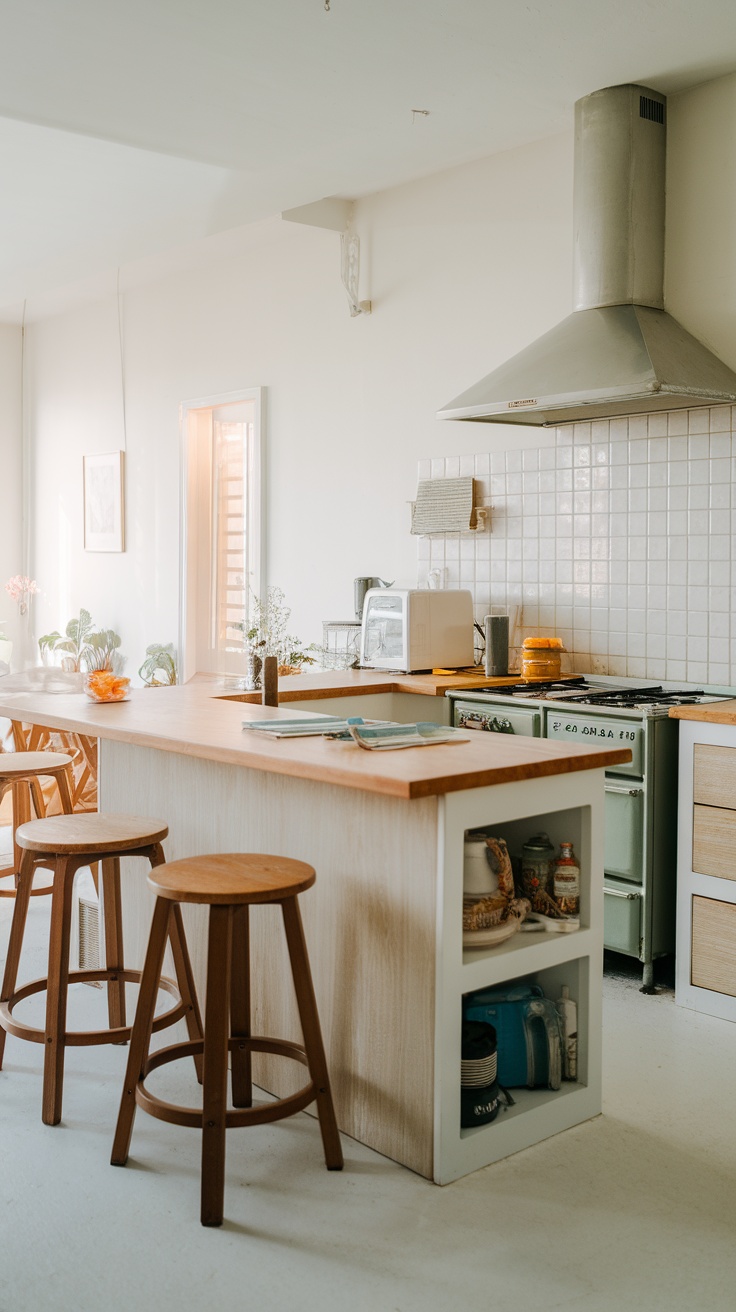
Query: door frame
x=189 y=602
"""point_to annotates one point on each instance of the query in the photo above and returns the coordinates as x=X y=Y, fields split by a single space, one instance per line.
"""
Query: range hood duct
x=619 y=352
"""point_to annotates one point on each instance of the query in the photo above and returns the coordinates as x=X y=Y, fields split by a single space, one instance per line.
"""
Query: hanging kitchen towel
x=444 y=505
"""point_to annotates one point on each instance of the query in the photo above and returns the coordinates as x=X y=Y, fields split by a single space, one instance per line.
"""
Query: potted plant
x=159 y=668
x=83 y=647
x=266 y=635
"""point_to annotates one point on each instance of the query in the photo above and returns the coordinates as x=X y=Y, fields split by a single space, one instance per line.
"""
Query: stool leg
x=309 y=1018
x=114 y=955
x=21 y=815
x=141 y=1035
x=185 y=983
x=182 y=967
x=20 y=911
x=58 y=982
x=65 y=784
x=214 y=1099
x=242 y=1082
x=39 y=805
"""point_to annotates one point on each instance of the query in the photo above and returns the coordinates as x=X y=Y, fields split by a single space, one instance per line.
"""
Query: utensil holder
x=497 y=645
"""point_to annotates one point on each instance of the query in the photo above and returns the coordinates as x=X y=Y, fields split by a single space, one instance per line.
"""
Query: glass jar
x=540 y=660
x=537 y=859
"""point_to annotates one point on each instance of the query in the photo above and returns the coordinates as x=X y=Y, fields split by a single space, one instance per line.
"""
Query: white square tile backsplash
x=619 y=539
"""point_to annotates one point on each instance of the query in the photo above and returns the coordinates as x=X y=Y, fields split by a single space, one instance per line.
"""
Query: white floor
x=634 y=1209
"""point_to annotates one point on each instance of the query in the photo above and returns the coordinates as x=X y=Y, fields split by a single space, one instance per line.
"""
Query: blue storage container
x=528 y=1032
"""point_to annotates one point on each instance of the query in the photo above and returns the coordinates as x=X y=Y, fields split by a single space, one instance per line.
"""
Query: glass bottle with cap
x=566 y=881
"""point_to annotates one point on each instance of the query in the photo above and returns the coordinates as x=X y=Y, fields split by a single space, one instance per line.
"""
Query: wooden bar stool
x=21 y=771
x=65 y=843
x=229 y=885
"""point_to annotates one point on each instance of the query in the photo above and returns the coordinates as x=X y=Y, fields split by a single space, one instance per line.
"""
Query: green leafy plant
x=159 y=667
x=102 y=650
x=83 y=647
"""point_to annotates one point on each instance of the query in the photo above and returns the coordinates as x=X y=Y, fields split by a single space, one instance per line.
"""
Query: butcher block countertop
x=708 y=712
x=193 y=720
x=342 y=683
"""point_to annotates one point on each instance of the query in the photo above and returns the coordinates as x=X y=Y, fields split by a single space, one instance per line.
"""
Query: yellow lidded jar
x=541 y=659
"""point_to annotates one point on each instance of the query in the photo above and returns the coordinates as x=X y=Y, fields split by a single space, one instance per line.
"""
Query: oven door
x=497 y=717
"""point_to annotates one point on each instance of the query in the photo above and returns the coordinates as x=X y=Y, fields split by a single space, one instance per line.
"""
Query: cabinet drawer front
x=713 y=957
x=714 y=841
x=621 y=919
x=624 y=839
x=714 y=775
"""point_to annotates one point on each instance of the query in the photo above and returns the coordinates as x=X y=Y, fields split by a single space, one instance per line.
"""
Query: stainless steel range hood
x=619 y=352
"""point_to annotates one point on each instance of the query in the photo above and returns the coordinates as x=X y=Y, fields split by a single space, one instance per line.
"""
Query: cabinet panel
x=624 y=851
x=714 y=775
x=713 y=961
x=714 y=841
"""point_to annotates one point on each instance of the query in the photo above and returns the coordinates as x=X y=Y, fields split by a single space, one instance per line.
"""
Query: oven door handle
x=623 y=792
x=616 y=892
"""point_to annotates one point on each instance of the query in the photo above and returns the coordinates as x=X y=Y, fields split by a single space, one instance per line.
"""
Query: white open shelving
x=566 y=807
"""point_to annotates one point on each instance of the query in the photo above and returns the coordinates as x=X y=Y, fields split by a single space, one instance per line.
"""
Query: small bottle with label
x=566 y=881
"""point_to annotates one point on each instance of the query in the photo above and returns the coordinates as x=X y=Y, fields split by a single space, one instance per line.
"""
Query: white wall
x=463 y=269
x=351 y=403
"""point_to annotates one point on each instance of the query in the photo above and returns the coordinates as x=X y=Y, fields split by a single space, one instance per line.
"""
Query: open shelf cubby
x=566 y=808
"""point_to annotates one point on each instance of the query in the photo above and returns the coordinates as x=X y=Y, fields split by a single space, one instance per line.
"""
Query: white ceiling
x=131 y=129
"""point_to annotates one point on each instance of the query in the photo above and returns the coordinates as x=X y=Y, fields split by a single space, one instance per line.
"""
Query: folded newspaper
x=301 y=728
x=372 y=734
x=385 y=737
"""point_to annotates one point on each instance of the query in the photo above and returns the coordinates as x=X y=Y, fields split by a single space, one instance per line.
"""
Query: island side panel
x=370 y=923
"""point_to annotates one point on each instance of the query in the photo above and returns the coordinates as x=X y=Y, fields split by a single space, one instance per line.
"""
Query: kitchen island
x=384 y=921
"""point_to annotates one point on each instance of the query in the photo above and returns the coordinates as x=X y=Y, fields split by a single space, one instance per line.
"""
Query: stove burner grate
x=636 y=697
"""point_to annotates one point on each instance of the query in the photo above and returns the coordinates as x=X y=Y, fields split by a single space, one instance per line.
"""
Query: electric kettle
x=363 y=585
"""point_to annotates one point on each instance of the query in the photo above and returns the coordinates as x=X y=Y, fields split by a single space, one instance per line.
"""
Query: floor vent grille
x=89 y=938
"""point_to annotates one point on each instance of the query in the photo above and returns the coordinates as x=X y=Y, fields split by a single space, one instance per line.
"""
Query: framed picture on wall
x=104 y=502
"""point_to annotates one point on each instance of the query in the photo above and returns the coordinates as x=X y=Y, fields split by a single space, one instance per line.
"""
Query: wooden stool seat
x=90 y=834
x=66 y=843
x=28 y=765
x=231 y=879
x=229 y=884
x=21 y=772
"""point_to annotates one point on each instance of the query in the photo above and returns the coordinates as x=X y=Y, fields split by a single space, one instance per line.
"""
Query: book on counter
x=314 y=727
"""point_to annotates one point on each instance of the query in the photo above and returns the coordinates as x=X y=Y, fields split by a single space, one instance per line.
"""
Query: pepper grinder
x=270 y=690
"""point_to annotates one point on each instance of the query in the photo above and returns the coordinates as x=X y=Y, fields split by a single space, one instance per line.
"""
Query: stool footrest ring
x=43 y=891
x=88 y=1038
x=261 y=1115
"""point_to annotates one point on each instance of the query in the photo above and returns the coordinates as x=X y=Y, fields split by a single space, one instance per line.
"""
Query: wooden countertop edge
x=345 y=683
x=517 y=774
x=402 y=775
x=708 y=712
